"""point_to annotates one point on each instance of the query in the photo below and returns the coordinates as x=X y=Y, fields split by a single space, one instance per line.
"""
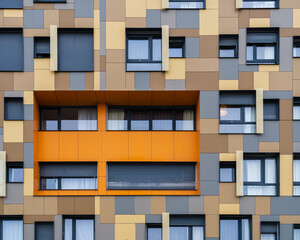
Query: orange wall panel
x=186 y=146
x=68 y=146
x=139 y=146
x=162 y=146
x=48 y=146
x=89 y=146
x=115 y=146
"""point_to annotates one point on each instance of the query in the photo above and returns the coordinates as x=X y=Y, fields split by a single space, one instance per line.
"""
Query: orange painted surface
x=104 y=146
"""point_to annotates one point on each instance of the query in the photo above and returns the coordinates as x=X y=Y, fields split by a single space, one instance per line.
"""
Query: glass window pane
x=117 y=119
x=271 y=110
x=15 y=174
x=49 y=183
x=296 y=234
x=296 y=52
x=162 y=120
x=259 y=190
x=230 y=114
x=296 y=170
x=198 y=233
x=237 y=128
x=179 y=233
x=156 y=50
x=68 y=229
x=79 y=183
x=185 y=120
x=49 y=119
x=78 y=119
x=249 y=53
x=250 y=115
x=138 y=49
x=175 y=52
x=265 y=53
x=265 y=236
x=226 y=174
x=245 y=229
x=139 y=120
x=13 y=230
x=252 y=172
x=296 y=112
x=227 y=53
x=229 y=230
x=270 y=171
x=154 y=234
x=85 y=229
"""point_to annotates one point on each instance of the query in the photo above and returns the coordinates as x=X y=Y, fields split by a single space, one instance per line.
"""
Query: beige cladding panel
x=239 y=174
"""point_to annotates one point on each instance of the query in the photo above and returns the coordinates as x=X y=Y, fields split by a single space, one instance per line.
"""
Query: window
x=12 y=228
x=262 y=46
x=75 y=50
x=296 y=232
x=261 y=4
x=144 y=50
x=44 y=231
x=296 y=175
x=228 y=46
x=151 y=119
x=187 y=4
x=235 y=228
x=296 y=109
x=42 y=47
x=260 y=175
x=11 y=48
x=269 y=231
x=176 y=47
x=237 y=112
x=50 y=1
x=148 y=175
x=78 y=228
x=68 y=118
x=13 y=109
x=271 y=109
x=14 y=172
x=227 y=171
x=11 y=4
x=296 y=46
x=68 y=176
x=181 y=228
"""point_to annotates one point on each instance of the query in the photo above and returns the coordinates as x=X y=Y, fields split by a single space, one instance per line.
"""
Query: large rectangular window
x=67 y=176
x=11 y=228
x=260 y=3
x=181 y=228
x=148 y=175
x=144 y=50
x=269 y=231
x=11 y=48
x=11 y=4
x=237 y=112
x=68 y=118
x=262 y=46
x=261 y=175
x=44 y=231
x=13 y=108
x=235 y=228
x=187 y=4
x=75 y=50
x=151 y=119
x=79 y=228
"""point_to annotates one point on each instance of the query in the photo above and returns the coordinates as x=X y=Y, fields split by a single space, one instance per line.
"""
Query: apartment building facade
x=149 y=119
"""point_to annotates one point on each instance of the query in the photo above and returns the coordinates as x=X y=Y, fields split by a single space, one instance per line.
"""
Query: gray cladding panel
x=125 y=205
x=177 y=205
x=58 y=223
x=28 y=54
x=168 y=17
x=209 y=104
x=142 y=81
x=28 y=155
x=153 y=18
x=29 y=232
x=84 y=8
x=33 y=19
x=191 y=47
x=229 y=69
x=247 y=205
x=282 y=18
x=196 y=205
x=14 y=193
x=271 y=132
x=107 y=231
x=187 y=19
x=140 y=231
x=278 y=94
x=296 y=131
x=175 y=84
x=251 y=143
x=286 y=54
x=77 y=81
x=242 y=46
x=286 y=231
x=142 y=205
x=209 y=166
x=285 y=205
x=209 y=188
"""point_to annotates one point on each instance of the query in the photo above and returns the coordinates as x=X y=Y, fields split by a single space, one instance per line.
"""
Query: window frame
x=277 y=233
x=9 y=218
x=295 y=226
x=13 y=165
x=275 y=44
x=239 y=218
x=179 y=41
x=74 y=218
x=262 y=158
x=231 y=37
x=296 y=44
x=296 y=183
x=40 y=222
x=242 y=115
x=38 y=39
x=50 y=1
x=277 y=102
x=150 y=110
x=276 y=4
x=20 y=100
x=228 y=165
x=13 y=7
x=203 y=1
x=58 y=108
x=296 y=103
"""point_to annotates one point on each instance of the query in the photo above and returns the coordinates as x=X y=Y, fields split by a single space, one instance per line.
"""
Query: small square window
x=13 y=108
x=15 y=172
x=269 y=231
x=176 y=47
x=227 y=172
x=271 y=109
x=296 y=108
x=228 y=46
x=42 y=47
x=296 y=46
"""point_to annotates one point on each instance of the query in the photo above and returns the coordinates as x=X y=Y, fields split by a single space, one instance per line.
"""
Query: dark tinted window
x=227 y=172
x=13 y=109
x=271 y=109
x=11 y=4
x=228 y=46
x=44 y=231
x=15 y=172
x=176 y=47
x=42 y=47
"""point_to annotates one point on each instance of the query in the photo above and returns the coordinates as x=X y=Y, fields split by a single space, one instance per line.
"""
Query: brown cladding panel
x=204 y=81
x=209 y=46
x=14 y=152
x=286 y=137
x=213 y=143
